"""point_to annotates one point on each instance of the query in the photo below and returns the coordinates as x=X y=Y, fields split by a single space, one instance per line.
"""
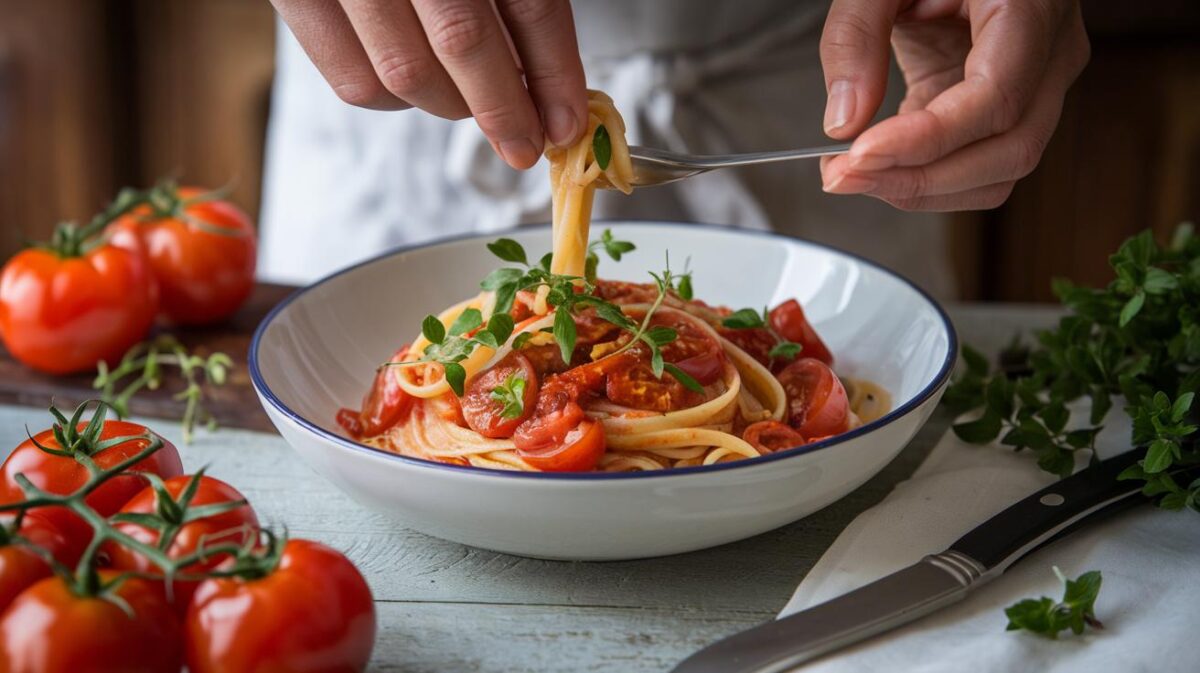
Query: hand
x=985 y=86
x=452 y=58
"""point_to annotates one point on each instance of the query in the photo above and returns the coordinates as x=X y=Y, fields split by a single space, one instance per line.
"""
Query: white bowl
x=318 y=350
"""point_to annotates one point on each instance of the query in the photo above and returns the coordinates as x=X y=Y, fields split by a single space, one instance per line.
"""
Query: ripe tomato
x=694 y=349
x=483 y=412
x=556 y=415
x=789 y=322
x=64 y=475
x=236 y=526
x=579 y=451
x=313 y=613
x=202 y=252
x=62 y=313
x=20 y=568
x=384 y=405
x=817 y=402
x=772 y=436
x=50 y=629
x=637 y=387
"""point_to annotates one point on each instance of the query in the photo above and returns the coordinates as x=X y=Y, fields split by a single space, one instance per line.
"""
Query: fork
x=658 y=167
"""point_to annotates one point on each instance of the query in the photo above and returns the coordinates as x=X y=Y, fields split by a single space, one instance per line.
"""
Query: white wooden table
x=447 y=608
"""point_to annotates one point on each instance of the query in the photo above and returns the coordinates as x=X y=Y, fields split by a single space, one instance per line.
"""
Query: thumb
x=854 y=54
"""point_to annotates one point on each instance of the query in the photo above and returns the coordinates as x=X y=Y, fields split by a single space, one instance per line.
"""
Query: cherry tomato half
x=482 y=410
x=817 y=402
x=384 y=405
x=63 y=475
x=313 y=613
x=64 y=314
x=789 y=322
x=50 y=629
x=579 y=451
x=772 y=436
x=202 y=252
x=235 y=526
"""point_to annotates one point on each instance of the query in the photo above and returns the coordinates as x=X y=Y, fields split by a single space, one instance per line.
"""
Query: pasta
x=550 y=368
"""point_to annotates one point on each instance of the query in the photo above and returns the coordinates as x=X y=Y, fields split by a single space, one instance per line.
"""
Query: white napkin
x=1149 y=558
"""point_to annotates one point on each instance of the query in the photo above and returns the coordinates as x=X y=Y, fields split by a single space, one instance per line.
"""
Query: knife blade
x=928 y=585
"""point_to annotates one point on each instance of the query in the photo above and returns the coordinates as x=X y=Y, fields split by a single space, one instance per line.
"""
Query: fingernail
x=840 y=107
x=561 y=125
x=871 y=162
x=849 y=183
x=519 y=152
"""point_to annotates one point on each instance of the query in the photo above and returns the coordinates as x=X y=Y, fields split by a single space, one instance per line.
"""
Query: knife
x=928 y=585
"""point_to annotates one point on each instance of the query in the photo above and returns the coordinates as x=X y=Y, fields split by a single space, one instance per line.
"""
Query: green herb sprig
x=511 y=394
x=147 y=363
x=571 y=294
x=1045 y=617
x=748 y=318
x=1137 y=338
x=450 y=348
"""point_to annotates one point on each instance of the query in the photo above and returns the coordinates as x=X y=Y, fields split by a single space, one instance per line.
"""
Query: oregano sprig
x=1046 y=617
x=511 y=394
x=1138 y=338
x=748 y=318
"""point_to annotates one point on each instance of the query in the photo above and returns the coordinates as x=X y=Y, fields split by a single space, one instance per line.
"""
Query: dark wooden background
x=96 y=94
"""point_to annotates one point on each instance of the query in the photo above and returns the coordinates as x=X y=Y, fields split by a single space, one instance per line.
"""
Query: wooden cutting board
x=234 y=404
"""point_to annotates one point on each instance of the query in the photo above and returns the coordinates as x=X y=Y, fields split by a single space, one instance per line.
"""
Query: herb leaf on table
x=1137 y=340
x=1047 y=618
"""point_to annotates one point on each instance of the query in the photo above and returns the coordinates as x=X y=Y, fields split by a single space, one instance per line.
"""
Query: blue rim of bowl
x=930 y=389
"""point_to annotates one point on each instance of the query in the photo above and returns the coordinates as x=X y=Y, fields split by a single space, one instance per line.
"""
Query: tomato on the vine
x=65 y=307
x=64 y=474
x=312 y=612
x=21 y=567
x=232 y=527
x=201 y=249
x=51 y=628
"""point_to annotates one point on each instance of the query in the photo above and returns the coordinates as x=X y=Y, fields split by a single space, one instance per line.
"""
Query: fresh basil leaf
x=785 y=350
x=660 y=335
x=1132 y=308
x=613 y=247
x=656 y=362
x=1160 y=455
x=506 y=295
x=521 y=339
x=456 y=376
x=501 y=326
x=683 y=377
x=612 y=313
x=466 y=321
x=1159 y=281
x=433 y=330
x=589 y=267
x=501 y=278
x=685 y=287
x=544 y=262
x=508 y=250
x=602 y=147
x=746 y=318
x=981 y=431
x=486 y=338
x=1182 y=405
x=564 y=333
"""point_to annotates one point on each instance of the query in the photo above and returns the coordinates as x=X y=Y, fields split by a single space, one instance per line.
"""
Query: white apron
x=703 y=76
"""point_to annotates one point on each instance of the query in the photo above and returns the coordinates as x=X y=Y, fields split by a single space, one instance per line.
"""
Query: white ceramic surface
x=318 y=350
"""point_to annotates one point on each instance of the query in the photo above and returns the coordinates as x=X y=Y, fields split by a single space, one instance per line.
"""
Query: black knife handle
x=1003 y=539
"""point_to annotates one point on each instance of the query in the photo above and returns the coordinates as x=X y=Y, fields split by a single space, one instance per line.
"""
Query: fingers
x=980 y=198
x=854 y=55
x=327 y=37
x=468 y=40
x=1011 y=44
x=401 y=57
x=969 y=177
x=543 y=32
